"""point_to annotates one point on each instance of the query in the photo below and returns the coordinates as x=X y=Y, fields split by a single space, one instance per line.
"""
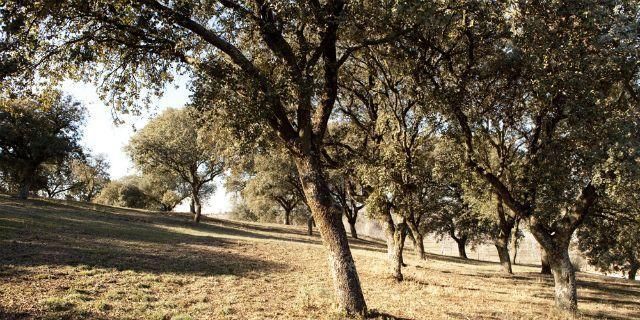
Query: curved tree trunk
x=544 y=262
x=328 y=218
x=462 y=250
x=352 y=227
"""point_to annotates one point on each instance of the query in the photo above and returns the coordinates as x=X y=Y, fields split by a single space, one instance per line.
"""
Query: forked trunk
x=462 y=247
x=352 y=227
x=544 y=262
x=328 y=219
x=503 y=255
x=564 y=277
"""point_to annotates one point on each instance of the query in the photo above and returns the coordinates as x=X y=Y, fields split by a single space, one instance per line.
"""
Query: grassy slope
x=65 y=261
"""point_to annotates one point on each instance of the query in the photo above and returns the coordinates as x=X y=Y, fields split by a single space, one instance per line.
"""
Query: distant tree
x=34 y=130
x=345 y=190
x=58 y=177
x=90 y=174
x=124 y=192
x=166 y=191
x=173 y=144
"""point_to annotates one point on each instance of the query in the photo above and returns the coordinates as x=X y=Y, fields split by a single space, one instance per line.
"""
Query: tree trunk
x=564 y=278
x=392 y=257
x=287 y=217
x=352 y=227
x=418 y=239
x=462 y=250
x=197 y=207
x=633 y=270
x=501 y=240
x=328 y=218
x=310 y=224
x=397 y=260
x=192 y=207
x=505 y=260
x=544 y=262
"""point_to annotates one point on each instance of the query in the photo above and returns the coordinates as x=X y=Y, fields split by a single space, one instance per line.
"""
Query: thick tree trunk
x=633 y=270
x=503 y=255
x=352 y=227
x=328 y=218
x=462 y=250
x=544 y=262
x=192 y=207
x=564 y=277
x=287 y=217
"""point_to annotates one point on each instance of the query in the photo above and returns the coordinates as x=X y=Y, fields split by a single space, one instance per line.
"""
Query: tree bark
x=352 y=227
x=287 y=217
x=564 y=277
x=310 y=224
x=328 y=218
x=503 y=255
x=633 y=270
x=544 y=262
x=501 y=240
x=198 y=215
x=418 y=239
x=462 y=250
x=397 y=261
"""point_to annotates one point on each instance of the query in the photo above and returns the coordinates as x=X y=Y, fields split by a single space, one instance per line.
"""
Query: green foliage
x=125 y=193
x=173 y=146
x=34 y=130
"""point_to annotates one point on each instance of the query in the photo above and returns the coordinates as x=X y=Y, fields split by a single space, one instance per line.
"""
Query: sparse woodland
x=477 y=121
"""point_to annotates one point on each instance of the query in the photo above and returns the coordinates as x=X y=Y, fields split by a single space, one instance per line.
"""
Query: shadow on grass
x=62 y=236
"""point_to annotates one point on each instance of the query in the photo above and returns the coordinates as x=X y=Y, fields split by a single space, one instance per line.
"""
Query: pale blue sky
x=101 y=135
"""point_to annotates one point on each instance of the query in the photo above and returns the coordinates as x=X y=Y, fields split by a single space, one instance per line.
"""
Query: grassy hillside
x=78 y=261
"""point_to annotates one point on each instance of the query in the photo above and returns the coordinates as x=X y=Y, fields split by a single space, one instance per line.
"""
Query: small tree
x=34 y=130
x=90 y=174
x=172 y=144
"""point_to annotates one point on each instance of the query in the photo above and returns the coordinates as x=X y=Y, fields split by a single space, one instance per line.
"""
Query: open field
x=68 y=262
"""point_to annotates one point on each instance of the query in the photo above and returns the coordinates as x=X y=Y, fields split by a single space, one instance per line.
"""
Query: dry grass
x=68 y=262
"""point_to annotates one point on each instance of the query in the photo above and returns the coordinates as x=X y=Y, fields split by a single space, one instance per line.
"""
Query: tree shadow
x=377 y=315
x=61 y=236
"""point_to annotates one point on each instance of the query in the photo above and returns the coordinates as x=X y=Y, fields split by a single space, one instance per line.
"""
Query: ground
x=82 y=261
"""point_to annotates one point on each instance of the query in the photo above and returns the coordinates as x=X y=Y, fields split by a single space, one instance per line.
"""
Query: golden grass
x=66 y=262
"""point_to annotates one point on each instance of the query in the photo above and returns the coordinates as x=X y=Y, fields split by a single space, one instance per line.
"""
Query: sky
x=102 y=135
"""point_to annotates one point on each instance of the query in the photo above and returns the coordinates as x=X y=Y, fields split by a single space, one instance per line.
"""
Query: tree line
x=427 y=112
